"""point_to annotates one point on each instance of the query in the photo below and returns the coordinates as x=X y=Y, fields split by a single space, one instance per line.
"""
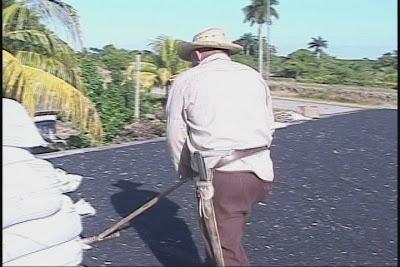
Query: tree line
x=94 y=88
x=304 y=65
x=313 y=65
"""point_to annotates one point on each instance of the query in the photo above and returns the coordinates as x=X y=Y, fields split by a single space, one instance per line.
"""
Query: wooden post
x=137 y=92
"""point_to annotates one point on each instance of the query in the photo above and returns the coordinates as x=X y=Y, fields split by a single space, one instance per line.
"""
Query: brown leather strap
x=238 y=154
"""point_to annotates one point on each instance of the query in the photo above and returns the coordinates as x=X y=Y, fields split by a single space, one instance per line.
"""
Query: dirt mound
x=362 y=95
x=142 y=130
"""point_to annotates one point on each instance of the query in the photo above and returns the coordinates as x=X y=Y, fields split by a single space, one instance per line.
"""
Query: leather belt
x=238 y=154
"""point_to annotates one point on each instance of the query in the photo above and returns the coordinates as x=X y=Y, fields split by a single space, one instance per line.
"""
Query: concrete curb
x=333 y=103
x=93 y=149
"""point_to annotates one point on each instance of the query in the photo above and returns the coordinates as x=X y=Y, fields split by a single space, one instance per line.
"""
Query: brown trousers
x=234 y=195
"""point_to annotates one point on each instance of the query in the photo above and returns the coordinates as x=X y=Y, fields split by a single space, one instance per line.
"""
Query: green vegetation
x=160 y=66
x=108 y=76
x=94 y=88
x=303 y=66
x=113 y=102
x=307 y=66
x=39 y=68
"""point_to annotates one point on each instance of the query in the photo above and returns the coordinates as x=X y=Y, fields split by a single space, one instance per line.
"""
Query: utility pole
x=137 y=92
x=268 y=58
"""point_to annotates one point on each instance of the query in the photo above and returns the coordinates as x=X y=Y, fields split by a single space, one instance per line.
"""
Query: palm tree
x=41 y=69
x=167 y=60
x=318 y=44
x=161 y=66
x=148 y=74
x=260 y=12
x=158 y=67
x=248 y=41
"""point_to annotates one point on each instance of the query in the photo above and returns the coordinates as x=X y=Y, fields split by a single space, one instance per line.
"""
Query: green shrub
x=80 y=141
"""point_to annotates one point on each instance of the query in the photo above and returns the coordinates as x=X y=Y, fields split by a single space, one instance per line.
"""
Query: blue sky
x=353 y=28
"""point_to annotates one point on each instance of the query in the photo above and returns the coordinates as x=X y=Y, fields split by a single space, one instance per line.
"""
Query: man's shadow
x=167 y=236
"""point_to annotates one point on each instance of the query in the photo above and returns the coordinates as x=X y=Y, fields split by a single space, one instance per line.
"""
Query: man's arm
x=271 y=120
x=268 y=102
x=177 y=131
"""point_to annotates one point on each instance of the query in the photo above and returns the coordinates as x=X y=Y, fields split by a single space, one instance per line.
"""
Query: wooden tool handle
x=141 y=209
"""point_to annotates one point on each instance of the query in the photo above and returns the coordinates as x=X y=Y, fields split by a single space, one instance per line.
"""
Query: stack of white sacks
x=41 y=224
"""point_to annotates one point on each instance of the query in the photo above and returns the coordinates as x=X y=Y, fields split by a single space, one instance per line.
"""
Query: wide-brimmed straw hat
x=210 y=38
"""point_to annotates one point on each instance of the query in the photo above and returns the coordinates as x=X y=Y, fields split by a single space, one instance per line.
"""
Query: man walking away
x=220 y=115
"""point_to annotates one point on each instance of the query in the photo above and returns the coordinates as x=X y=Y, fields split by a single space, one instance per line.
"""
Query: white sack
x=43 y=168
x=15 y=154
x=82 y=207
x=28 y=194
x=26 y=207
x=19 y=130
x=21 y=178
x=68 y=182
x=35 y=235
x=65 y=254
x=278 y=125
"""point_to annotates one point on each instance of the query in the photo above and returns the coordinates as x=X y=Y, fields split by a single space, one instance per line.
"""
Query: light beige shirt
x=216 y=107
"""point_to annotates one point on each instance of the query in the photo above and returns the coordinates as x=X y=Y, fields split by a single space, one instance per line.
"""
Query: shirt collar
x=214 y=57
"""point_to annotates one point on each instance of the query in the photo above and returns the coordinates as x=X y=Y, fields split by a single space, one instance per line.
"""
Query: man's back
x=228 y=106
x=223 y=105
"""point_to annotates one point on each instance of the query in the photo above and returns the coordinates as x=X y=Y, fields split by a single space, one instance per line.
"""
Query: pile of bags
x=41 y=224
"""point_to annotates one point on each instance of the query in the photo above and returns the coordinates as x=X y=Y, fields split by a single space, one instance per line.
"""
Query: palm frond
x=51 y=65
x=57 y=10
x=148 y=74
x=164 y=75
x=144 y=67
x=318 y=43
x=32 y=86
x=157 y=43
x=256 y=12
x=147 y=80
x=49 y=42
x=249 y=14
x=11 y=15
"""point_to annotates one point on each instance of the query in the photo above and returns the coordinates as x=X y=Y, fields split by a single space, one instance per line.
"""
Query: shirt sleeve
x=270 y=115
x=177 y=131
x=271 y=119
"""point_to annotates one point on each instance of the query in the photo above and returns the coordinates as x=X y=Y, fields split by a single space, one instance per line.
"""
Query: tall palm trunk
x=268 y=63
x=318 y=54
x=260 y=50
x=268 y=37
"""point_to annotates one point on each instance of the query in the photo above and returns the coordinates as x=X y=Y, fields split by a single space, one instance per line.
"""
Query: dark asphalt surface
x=334 y=202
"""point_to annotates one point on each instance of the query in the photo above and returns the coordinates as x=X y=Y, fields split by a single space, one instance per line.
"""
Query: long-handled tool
x=108 y=233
